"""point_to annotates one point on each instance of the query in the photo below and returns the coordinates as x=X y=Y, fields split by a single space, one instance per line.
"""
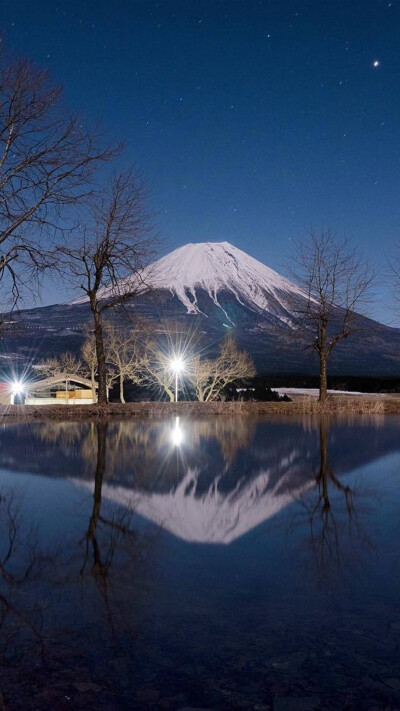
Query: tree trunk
x=323 y=381
x=101 y=358
x=121 y=388
x=93 y=381
x=323 y=378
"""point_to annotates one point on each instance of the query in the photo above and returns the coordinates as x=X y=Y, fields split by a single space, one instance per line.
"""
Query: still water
x=224 y=563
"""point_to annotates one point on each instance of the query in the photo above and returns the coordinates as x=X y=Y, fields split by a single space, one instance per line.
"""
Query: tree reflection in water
x=45 y=612
x=20 y=562
x=215 y=481
x=108 y=535
x=332 y=515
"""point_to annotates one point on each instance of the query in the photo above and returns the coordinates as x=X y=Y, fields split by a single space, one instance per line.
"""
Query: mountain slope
x=214 y=268
x=213 y=518
x=210 y=288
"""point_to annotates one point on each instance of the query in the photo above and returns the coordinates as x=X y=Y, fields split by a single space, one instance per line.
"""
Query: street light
x=177 y=366
x=17 y=388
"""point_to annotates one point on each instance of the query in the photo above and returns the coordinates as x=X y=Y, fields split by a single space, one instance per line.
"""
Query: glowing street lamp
x=177 y=366
x=17 y=388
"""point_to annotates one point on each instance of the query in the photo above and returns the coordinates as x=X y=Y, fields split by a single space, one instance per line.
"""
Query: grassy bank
x=346 y=405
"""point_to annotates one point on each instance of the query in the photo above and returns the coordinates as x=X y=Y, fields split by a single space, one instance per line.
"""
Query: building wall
x=6 y=399
x=58 y=401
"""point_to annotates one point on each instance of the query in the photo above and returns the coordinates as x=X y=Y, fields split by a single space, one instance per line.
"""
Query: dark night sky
x=252 y=120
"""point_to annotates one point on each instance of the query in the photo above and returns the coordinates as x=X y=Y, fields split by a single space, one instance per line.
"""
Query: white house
x=60 y=389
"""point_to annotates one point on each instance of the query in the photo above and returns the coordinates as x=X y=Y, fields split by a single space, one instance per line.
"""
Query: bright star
x=376 y=63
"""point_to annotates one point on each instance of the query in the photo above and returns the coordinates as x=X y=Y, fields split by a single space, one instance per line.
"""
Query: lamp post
x=177 y=366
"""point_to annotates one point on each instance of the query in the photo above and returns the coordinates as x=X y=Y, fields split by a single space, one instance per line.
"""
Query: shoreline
x=335 y=405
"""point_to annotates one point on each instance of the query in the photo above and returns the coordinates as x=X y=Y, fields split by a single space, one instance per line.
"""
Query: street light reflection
x=177 y=434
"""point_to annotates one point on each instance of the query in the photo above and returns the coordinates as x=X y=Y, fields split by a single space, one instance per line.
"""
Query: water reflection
x=177 y=433
x=213 y=480
x=133 y=617
x=330 y=511
x=20 y=562
x=47 y=598
x=110 y=537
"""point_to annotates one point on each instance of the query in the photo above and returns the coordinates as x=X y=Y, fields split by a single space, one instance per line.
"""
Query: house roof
x=59 y=378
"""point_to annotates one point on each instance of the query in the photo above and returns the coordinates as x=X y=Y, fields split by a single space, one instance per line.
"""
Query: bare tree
x=157 y=368
x=206 y=376
x=89 y=357
x=46 y=164
x=64 y=364
x=125 y=352
x=108 y=260
x=209 y=377
x=335 y=280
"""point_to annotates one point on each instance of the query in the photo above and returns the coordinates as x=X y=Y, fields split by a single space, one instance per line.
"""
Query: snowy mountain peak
x=216 y=267
x=216 y=517
x=217 y=270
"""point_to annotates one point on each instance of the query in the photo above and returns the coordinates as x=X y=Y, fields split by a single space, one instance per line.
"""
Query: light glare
x=17 y=388
x=177 y=365
x=177 y=434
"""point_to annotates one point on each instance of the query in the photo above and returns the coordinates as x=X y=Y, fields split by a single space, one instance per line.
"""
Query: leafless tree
x=209 y=376
x=89 y=357
x=108 y=260
x=157 y=368
x=46 y=165
x=125 y=353
x=64 y=364
x=206 y=376
x=335 y=280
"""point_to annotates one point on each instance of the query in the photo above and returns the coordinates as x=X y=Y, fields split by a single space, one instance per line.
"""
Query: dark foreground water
x=209 y=564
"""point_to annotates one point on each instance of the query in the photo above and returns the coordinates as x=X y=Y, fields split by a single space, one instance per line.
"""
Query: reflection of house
x=60 y=390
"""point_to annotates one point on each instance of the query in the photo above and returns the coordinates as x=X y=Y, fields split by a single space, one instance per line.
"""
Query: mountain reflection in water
x=100 y=606
x=207 y=480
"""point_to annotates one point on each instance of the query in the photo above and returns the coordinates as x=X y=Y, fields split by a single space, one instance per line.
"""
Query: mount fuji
x=211 y=288
x=227 y=476
x=218 y=270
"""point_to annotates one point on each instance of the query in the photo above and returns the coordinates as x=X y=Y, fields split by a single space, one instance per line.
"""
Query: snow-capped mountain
x=210 y=288
x=226 y=476
x=215 y=488
x=216 y=517
x=217 y=268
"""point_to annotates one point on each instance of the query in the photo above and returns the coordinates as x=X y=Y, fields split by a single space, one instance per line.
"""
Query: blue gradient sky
x=252 y=120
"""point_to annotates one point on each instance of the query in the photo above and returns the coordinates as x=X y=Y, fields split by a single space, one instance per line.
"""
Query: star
x=376 y=63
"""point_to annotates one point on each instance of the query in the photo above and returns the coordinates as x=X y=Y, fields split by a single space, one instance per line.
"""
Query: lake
x=223 y=563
